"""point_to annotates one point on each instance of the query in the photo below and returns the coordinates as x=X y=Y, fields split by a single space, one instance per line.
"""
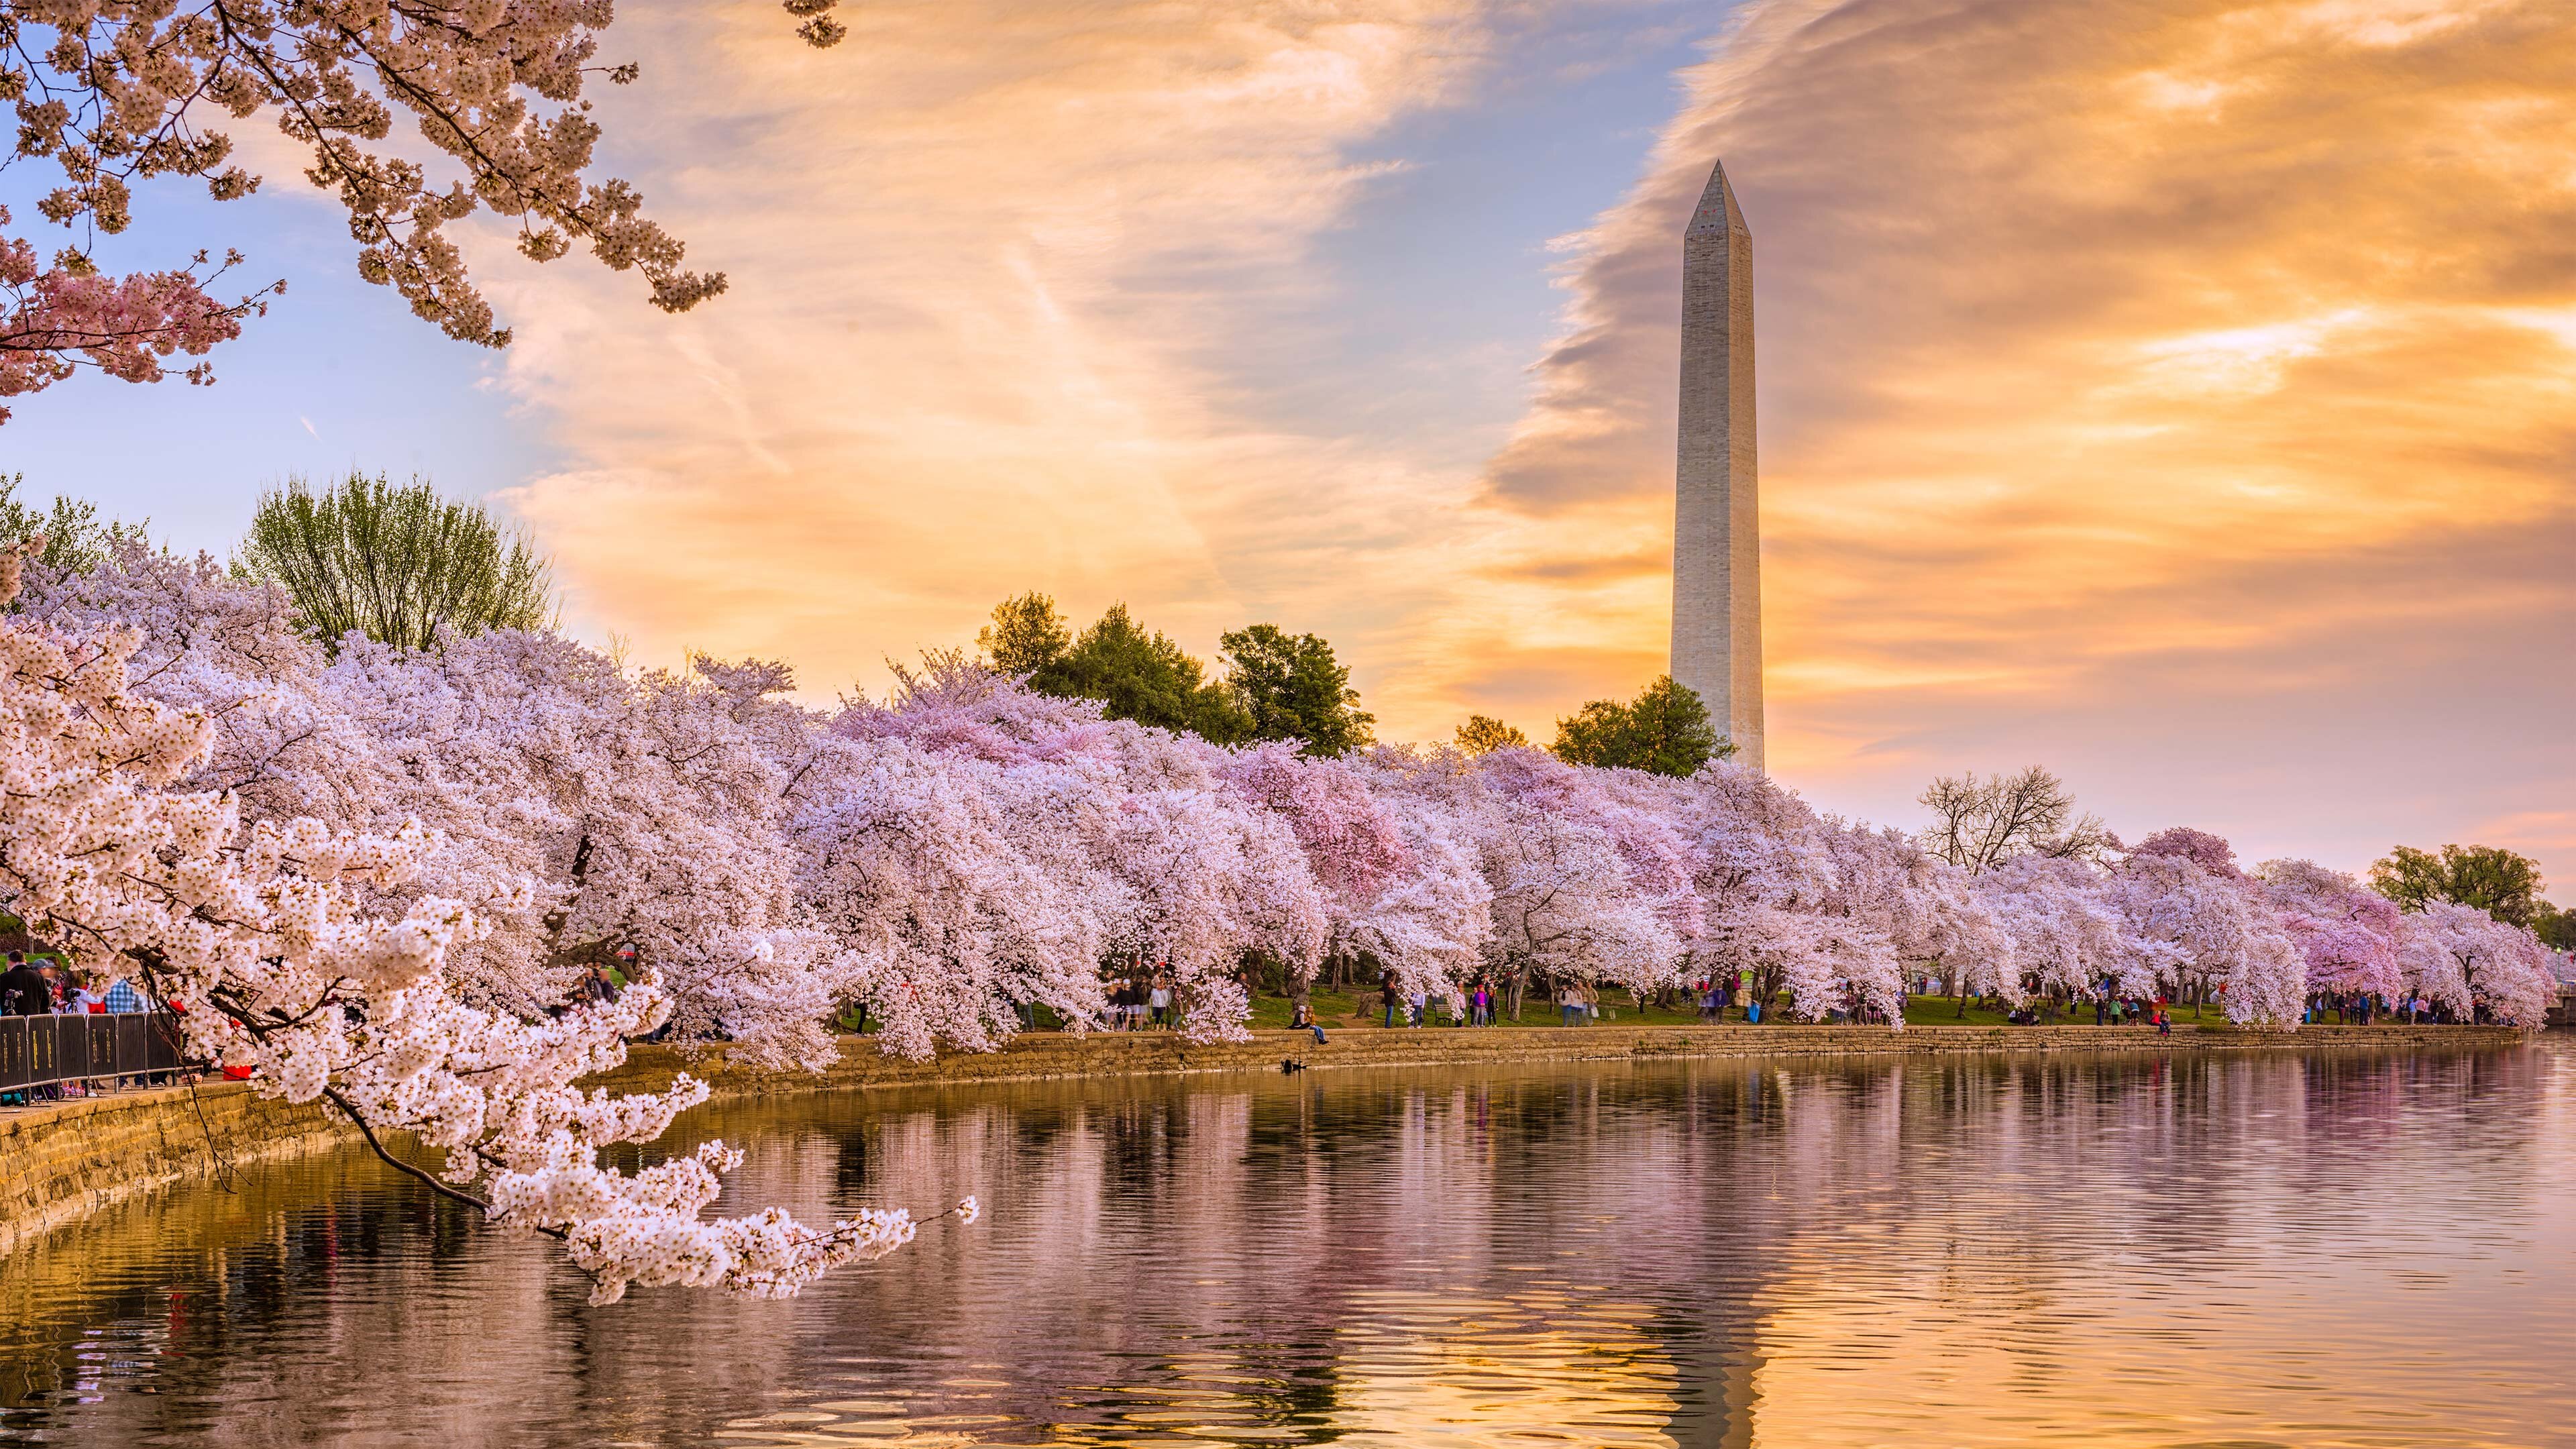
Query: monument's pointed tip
x=1717 y=211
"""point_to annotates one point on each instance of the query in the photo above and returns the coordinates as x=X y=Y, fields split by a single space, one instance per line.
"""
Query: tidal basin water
x=2343 y=1248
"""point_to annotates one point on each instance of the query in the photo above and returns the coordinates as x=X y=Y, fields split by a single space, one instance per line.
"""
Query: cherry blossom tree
x=1759 y=857
x=1831 y=912
x=2205 y=929
x=113 y=94
x=957 y=885
x=268 y=941
x=1187 y=873
x=2347 y=934
x=1580 y=891
x=2481 y=968
x=2065 y=929
x=1395 y=885
x=1971 y=951
x=56 y=319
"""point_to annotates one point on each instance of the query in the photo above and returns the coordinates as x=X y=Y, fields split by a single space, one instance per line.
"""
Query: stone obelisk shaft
x=1717 y=540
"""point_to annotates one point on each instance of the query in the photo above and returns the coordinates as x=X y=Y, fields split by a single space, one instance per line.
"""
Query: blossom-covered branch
x=112 y=93
x=55 y=319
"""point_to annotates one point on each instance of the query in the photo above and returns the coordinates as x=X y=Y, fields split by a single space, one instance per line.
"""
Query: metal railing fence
x=37 y=1051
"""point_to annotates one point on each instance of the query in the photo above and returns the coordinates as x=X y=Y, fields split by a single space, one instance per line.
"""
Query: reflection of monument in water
x=1717 y=538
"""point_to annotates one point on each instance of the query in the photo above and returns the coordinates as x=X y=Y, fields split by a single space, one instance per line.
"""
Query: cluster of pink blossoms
x=2175 y=917
x=127 y=327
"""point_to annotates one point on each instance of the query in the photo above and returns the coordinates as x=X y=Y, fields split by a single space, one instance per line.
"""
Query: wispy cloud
x=995 y=268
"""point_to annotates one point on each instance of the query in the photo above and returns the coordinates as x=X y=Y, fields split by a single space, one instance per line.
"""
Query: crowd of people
x=1142 y=1002
x=1472 y=1005
x=2361 y=1008
x=29 y=988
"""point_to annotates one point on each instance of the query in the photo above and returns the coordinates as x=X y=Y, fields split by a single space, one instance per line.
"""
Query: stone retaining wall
x=60 y=1161
x=1139 y=1053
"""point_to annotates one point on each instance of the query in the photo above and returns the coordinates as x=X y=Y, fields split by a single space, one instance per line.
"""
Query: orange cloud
x=996 y=270
x=2175 y=391
x=2180 y=391
x=1001 y=274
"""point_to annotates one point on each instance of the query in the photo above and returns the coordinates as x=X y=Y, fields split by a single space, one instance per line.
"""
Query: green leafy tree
x=1026 y=635
x=2555 y=928
x=1294 y=689
x=395 y=564
x=1483 y=734
x=1665 y=730
x=2497 y=881
x=75 y=541
x=1141 y=675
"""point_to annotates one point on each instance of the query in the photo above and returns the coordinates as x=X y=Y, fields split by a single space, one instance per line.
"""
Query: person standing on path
x=1387 y=997
x=24 y=990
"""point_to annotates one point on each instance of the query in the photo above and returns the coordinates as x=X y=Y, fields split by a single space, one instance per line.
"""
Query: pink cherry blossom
x=2461 y=957
x=2348 y=934
x=114 y=94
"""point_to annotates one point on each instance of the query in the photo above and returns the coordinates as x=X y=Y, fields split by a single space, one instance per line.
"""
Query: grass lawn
x=1361 y=1008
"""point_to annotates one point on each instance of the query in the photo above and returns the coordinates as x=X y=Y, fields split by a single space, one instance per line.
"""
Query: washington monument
x=1717 y=539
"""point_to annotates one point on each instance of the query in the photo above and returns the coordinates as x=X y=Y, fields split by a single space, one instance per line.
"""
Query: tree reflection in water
x=2112 y=1249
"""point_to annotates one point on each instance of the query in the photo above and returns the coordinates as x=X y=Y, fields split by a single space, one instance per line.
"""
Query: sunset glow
x=2175 y=392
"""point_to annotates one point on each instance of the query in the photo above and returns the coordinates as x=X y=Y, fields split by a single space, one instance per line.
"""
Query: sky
x=2177 y=393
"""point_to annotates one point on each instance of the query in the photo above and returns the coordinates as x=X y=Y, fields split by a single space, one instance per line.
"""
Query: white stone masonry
x=1717 y=538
